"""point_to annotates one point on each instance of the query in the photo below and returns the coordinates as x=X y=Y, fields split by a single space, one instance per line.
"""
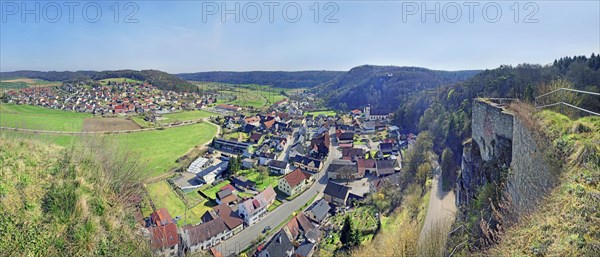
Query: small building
x=294 y=182
x=226 y=196
x=230 y=146
x=366 y=166
x=279 y=246
x=386 y=167
x=264 y=158
x=255 y=138
x=342 y=170
x=307 y=163
x=243 y=183
x=248 y=163
x=318 y=211
x=279 y=167
x=336 y=194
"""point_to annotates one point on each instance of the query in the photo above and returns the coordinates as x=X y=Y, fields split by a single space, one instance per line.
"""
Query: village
x=113 y=98
x=280 y=180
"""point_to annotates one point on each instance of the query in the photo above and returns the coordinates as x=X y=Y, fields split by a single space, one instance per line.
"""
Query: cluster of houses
x=115 y=98
x=294 y=147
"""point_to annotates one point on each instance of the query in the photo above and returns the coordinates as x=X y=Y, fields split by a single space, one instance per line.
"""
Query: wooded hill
x=282 y=79
x=157 y=78
x=384 y=86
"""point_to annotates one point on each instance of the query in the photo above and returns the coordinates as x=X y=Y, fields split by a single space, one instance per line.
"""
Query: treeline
x=157 y=78
x=446 y=111
x=384 y=86
x=283 y=79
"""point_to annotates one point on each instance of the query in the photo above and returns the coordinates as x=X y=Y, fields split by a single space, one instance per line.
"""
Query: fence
x=564 y=103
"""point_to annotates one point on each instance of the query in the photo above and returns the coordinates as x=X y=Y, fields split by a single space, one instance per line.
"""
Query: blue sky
x=173 y=37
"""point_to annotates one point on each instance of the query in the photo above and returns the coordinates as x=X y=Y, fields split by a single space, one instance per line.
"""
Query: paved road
x=441 y=209
x=243 y=239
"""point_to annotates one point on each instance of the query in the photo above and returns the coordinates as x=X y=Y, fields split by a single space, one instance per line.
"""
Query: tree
x=448 y=168
x=263 y=173
x=423 y=172
x=349 y=235
x=234 y=165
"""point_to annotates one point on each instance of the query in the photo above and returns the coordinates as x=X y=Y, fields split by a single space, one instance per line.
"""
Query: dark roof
x=197 y=234
x=336 y=190
x=231 y=218
x=319 y=209
x=223 y=193
x=304 y=250
x=385 y=167
x=278 y=164
x=386 y=148
x=340 y=166
x=352 y=152
x=255 y=136
x=249 y=128
x=267 y=155
x=164 y=236
x=279 y=246
x=346 y=136
x=241 y=181
x=307 y=160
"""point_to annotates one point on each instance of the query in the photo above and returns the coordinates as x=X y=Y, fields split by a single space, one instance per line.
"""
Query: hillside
x=157 y=78
x=282 y=79
x=57 y=202
x=384 y=86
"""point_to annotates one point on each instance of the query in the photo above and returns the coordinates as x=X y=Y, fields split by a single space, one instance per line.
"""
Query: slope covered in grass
x=567 y=223
x=57 y=202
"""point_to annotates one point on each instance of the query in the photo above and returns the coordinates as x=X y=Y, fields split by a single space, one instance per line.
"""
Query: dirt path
x=442 y=207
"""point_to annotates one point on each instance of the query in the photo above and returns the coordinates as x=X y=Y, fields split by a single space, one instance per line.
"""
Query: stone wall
x=506 y=148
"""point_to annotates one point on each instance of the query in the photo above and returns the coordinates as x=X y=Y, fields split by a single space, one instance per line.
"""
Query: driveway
x=441 y=209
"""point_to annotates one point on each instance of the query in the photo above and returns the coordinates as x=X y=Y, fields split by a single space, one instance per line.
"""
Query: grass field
x=60 y=140
x=261 y=184
x=158 y=149
x=118 y=80
x=161 y=148
x=317 y=113
x=164 y=196
x=211 y=191
x=247 y=95
x=34 y=117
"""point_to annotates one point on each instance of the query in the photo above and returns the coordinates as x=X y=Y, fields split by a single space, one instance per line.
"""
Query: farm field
x=39 y=118
x=108 y=124
x=161 y=148
x=118 y=80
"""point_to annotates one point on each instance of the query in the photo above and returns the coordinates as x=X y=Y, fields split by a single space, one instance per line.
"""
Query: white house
x=252 y=210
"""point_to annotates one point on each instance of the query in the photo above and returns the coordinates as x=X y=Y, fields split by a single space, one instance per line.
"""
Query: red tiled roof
x=293 y=227
x=365 y=164
x=228 y=186
x=161 y=217
x=164 y=236
x=270 y=123
x=296 y=177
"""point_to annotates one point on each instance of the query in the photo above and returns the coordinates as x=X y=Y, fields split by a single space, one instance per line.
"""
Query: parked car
x=267 y=228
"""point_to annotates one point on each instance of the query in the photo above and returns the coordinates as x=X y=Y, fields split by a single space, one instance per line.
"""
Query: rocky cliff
x=504 y=170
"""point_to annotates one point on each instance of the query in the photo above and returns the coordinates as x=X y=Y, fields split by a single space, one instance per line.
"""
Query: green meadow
x=39 y=118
